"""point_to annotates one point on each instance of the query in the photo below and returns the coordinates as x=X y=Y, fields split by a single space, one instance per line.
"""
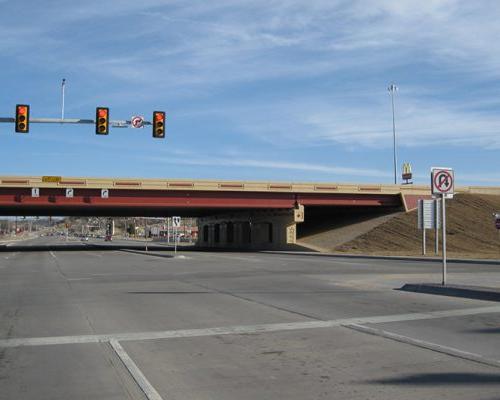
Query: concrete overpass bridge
x=231 y=213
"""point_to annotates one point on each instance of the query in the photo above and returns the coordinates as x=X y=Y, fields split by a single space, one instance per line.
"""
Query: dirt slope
x=337 y=234
x=470 y=227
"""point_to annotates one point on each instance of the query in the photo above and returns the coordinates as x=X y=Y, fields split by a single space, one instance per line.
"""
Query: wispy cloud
x=227 y=161
x=283 y=74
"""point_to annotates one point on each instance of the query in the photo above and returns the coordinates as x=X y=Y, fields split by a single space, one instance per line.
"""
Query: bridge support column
x=267 y=229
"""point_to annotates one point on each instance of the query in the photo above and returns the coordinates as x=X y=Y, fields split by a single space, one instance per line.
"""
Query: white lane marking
x=134 y=370
x=250 y=258
x=240 y=329
x=91 y=253
x=12 y=255
x=78 y=279
x=451 y=351
x=52 y=254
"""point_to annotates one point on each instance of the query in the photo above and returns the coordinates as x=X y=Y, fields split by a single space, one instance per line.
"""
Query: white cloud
x=197 y=48
x=225 y=160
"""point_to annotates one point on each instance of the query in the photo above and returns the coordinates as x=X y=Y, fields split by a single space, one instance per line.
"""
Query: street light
x=392 y=90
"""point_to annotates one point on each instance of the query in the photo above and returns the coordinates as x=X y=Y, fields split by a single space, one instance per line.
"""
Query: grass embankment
x=470 y=232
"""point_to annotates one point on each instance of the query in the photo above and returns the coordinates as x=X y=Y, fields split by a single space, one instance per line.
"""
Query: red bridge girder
x=53 y=201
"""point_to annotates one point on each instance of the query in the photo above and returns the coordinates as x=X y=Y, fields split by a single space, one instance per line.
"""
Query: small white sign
x=35 y=192
x=137 y=121
x=69 y=192
x=176 y=222
x=104 y=193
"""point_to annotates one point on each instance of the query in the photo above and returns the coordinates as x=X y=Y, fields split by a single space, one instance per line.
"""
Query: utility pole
x=392 y=89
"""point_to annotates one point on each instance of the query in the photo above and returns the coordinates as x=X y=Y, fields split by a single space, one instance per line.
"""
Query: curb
x=469 y=292
x=401 y=258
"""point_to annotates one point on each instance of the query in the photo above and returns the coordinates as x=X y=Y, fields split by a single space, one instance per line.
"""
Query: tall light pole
x=392 y=90
x=63 y=86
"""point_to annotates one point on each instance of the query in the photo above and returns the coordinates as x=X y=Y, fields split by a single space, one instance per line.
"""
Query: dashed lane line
x=241 y=329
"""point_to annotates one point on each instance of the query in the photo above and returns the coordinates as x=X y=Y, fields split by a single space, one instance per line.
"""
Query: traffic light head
x=102 y=120
x=158 y=124
x=22 y=118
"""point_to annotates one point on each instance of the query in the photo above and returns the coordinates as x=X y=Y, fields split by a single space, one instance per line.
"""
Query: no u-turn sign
x=443 y=185
x=442 y=181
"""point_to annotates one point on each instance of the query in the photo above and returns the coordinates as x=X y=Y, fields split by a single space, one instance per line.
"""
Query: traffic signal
x=102 y=120
x=158 y=124
x=22 y=118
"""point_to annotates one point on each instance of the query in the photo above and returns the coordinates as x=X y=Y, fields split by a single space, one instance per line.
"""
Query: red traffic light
x=22 y=118
x=102 y=120
x=159 y=124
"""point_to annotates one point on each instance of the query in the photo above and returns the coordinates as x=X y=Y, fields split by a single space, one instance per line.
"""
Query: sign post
x=436 y=226
x=407 y=174
x=427 y=219
x=176 y=223
x=443 y=185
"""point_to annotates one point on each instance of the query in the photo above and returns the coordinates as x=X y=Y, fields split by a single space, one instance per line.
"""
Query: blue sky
x=256 y=90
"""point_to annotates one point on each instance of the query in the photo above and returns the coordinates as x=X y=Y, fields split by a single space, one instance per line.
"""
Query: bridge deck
x=193 y=197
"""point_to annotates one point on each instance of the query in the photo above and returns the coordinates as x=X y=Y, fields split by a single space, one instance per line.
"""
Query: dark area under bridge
x=162 y=203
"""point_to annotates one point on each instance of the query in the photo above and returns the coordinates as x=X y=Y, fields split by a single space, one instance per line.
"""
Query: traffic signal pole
x=114 y=123
x=101 y=122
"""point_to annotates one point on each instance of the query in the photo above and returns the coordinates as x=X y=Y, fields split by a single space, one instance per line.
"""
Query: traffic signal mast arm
x=115 y=123
x=102 y=121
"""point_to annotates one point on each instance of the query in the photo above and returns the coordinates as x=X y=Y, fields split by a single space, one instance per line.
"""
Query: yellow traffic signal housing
x=22 y=118
x=158 y=124
x=102 y=120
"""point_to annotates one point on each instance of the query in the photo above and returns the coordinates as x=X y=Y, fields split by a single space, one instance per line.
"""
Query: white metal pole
x=168 y=231
x=63 y=85
x=436 y=228
x=423 y=241
x=443 y=240
x=175 y=241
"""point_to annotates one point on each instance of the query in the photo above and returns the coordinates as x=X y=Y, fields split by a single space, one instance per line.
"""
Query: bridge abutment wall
x=266 y=229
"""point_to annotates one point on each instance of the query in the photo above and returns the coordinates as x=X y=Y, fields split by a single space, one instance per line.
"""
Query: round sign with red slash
x=137 y=122
x=442 y=181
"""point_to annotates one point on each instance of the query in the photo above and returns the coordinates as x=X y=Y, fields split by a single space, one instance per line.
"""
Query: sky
x=281 y=90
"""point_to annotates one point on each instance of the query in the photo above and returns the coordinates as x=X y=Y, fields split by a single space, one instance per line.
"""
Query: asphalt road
x=125 y=324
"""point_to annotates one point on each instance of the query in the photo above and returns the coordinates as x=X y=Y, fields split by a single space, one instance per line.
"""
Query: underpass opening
x=326 y=227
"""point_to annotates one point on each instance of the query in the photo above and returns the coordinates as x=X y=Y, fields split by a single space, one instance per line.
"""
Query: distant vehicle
x=85 y=239
x=108 y=238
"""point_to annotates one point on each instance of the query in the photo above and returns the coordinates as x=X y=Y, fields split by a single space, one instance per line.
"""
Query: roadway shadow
x=484 y=330
x=136 y=247
x=144 y=252
x=81 y=247
x=439 y=379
